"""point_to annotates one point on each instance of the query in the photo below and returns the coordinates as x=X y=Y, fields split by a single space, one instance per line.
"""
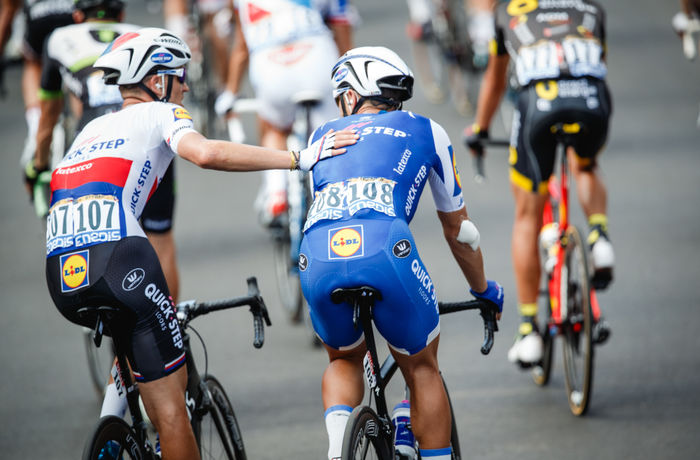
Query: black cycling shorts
x=543 y=104
x=38 y=30
x=157 y=215
x=124 y=274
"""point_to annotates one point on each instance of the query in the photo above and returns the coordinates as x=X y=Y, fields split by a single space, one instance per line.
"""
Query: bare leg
x=342 y=381
x=31 y=77
x=526 y=227
x=591 y=191
x=430 y=409
x=164 y=400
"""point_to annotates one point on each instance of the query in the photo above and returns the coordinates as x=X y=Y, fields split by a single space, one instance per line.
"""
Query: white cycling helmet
x=373 y=71
x=132 y=56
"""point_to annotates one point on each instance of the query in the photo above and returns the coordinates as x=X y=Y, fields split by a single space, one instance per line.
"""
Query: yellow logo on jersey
x=346 y=242
x=547 y=90
x=181 y=113
x=74 y=270
x=518 y=7
x=454 y=168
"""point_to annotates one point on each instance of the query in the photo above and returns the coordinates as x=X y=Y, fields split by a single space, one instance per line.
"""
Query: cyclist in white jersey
x=97 y=253
x=289 y=45
x=69 y=55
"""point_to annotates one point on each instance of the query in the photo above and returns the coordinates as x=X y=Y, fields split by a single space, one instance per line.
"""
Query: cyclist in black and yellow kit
x=558 y=52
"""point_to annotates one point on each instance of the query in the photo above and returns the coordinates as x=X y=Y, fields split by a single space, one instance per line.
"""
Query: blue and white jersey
x=384 y=173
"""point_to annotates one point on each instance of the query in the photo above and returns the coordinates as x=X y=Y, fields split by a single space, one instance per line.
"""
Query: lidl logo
x=181 y=113
x=346 y=242
x=74 y=271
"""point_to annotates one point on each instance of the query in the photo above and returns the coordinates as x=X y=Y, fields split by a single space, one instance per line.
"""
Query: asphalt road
x=645 y=401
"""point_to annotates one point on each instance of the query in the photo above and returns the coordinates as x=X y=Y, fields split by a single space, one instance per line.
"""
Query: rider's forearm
x=50 y=113
x=470 y=261
x=238 y=61
x=227 y=156
x=493 y=86
x=342 y=34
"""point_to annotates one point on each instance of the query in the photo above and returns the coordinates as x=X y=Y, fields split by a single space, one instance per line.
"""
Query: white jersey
x=270 y=23
x=101 y=186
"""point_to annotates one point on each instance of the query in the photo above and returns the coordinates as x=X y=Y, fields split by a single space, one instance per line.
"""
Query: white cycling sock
x=436 y=454
x=113 y=404
x=336 y=419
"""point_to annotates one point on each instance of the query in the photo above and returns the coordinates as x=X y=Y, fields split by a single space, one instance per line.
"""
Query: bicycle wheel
x=577 y=324
x=287 y=275
x=364 y=437
x=454 y=436
x=99 y=361
x=215 y=426
x=113 y=438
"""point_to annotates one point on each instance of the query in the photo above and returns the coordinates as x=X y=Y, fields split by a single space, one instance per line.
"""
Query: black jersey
x=551 y=39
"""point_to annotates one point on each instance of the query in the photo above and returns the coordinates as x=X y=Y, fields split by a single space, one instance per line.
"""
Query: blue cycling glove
x=493 y=293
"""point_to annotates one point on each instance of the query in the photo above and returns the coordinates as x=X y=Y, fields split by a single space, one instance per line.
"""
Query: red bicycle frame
x=559 y=197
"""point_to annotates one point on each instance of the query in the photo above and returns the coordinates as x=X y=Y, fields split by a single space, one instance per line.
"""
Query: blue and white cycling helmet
x=374 y=72
x=132 y=56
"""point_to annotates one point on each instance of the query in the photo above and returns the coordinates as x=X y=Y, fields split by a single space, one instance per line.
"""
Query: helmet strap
x=148 y=91
x=168 y=91
x=360 y=101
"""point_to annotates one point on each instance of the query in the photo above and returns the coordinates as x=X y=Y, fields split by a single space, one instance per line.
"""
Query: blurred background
x=645 y=398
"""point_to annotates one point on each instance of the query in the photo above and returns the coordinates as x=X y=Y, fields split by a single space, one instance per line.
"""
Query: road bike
x=444 y=54
x=571 y=309
x=211 y=414
x=369 y=433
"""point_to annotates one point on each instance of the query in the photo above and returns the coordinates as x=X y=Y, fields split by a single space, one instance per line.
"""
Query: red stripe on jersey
x=153 y=189
x=112 y=170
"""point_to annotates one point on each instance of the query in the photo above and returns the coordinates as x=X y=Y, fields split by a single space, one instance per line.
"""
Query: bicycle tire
x=100 y=361
x=122 y=437
x=364 y=439
x=454 y=435
x=215 y=426
x=287 y=276
x=577 y=327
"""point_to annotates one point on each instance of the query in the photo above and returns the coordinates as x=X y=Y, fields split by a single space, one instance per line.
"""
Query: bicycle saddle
x=308 y=97
x=351 y=295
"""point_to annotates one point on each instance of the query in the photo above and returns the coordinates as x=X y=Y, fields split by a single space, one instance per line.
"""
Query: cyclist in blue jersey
x=357 y=234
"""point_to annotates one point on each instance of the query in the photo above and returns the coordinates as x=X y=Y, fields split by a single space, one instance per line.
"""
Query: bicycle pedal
x=601 y=279
x=525 y=366
x=601 y=332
